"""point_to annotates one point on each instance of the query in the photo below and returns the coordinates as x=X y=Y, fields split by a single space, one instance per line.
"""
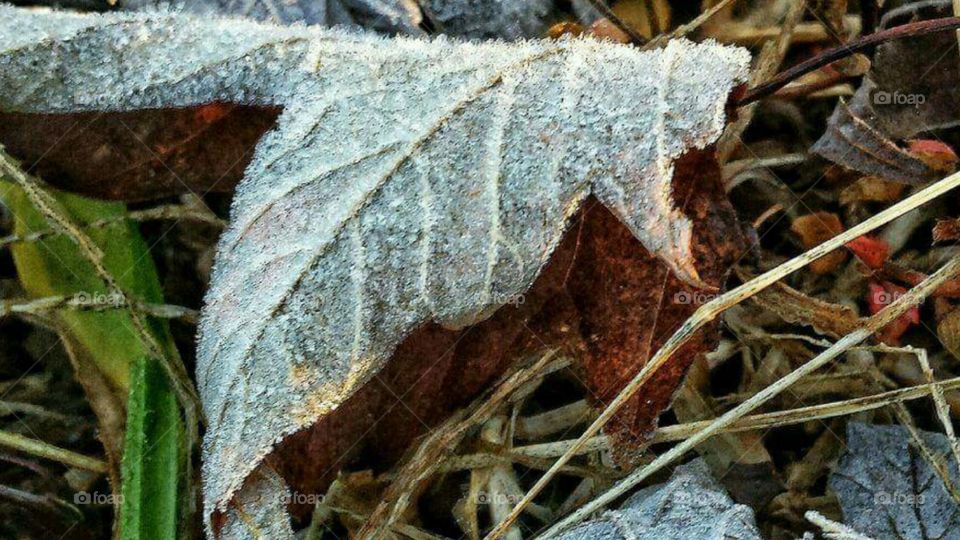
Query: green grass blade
x=154 y=470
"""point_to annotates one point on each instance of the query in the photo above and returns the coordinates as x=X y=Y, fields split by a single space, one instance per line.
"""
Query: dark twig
x=869 y=17
x=828 y=57
x=600 y=6
x=655 y=28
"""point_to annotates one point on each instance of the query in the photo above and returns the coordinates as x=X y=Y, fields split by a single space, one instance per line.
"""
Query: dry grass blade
x=40 y=306
x=709 y=311
x=767 y=64
x=689 y=27
x=166 y=212
x=48 y=451
x=940 y=403
x=872 y=325
x=429 y=455
x=799 y=415
x=833 y=530
x=932 y=458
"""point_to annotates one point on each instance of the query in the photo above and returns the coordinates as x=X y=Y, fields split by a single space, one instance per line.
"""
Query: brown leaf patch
x=139 y=155
x=813 y=230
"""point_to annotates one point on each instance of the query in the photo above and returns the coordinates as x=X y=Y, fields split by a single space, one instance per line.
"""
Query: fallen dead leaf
x=872 y=252
x=814 y=229
x=403 y=268
x=883 y=293
x=871 y=189
x=946 y=230
x=907 y=91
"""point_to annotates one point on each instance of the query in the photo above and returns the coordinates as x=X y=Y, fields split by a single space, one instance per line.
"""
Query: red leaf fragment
x=936 y=154
x=873 y=252
x=883 y=293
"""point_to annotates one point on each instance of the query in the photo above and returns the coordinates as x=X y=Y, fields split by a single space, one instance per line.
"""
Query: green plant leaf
x=152 y=456
x=111 y=361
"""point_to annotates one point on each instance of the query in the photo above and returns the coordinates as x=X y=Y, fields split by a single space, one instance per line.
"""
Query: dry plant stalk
x=940 y=401
x=174 y=212
x=936 y=464
x=429 y=455
x=708 y=312
x=833 y=530
x=41 y=449
x=762 y=421
x=40 y=306
x=767 y=64
x=685 y=29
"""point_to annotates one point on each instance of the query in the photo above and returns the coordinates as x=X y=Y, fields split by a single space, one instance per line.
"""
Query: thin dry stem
x=679 y=432
x=48 y=451
x=767 y=64
x=41 y=306
x=833 y=530
x=931 y=457
x=747 y=35
x=165 y=212
x=685 y=29
x=940 y=402
x=429 y=455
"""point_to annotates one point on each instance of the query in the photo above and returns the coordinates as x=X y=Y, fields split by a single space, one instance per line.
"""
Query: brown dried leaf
x=791 y=305
x=139 y=155
x=946 y=230
x=871 y=189
x=948 y=330
x=912 y=88
x=813 y=230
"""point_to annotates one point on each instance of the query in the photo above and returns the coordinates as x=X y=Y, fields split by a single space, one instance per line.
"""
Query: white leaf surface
x=887 y=489
x=407 y=181
x=690 y=506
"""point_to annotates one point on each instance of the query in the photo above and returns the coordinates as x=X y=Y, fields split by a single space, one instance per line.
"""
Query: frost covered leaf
x=489 y=19
x=691 y=506
x=888 y=490
x=406 y=182
x=389 y=16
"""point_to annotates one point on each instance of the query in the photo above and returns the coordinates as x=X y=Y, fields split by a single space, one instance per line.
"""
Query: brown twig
x=689 y=27
x=916 y=29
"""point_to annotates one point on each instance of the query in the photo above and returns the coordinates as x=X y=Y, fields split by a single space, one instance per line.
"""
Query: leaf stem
x=916 y=29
